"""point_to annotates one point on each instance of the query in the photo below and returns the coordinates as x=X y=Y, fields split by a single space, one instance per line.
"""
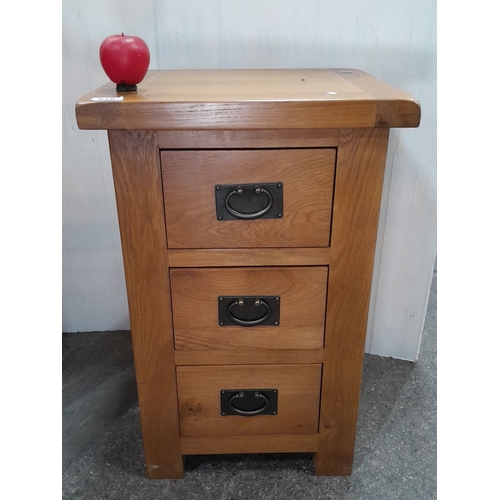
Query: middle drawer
x=197 y=303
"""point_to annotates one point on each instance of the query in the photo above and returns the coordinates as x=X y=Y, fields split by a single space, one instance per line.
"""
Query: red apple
x=125 y=59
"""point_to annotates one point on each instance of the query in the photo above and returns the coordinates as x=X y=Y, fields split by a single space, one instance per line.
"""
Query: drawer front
x=297 y=402
x=197 y=293
x=304 y=181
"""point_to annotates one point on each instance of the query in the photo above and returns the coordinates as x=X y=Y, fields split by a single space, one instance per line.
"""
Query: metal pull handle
x=247 y=322
x=248 y=413
x=251 y=215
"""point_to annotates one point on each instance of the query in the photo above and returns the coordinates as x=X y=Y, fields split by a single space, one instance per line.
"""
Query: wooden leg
x=139 y=199
x=358 y=188
x=161 y=443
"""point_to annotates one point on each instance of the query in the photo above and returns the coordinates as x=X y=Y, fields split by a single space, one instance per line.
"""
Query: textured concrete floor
x=395 y=455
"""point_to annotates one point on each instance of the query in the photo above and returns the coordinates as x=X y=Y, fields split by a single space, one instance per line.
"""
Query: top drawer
x=304 y=181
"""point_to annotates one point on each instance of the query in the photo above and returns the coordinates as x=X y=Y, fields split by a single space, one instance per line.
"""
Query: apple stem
x=122 y=34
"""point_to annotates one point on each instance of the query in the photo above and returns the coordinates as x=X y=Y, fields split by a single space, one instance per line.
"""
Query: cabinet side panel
x=358 y=188
x=139 y=197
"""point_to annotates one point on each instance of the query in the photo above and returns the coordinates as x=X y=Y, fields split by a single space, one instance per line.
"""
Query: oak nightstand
x=248 y=204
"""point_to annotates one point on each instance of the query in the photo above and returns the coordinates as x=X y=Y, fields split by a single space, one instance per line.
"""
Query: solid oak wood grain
x=234 y=139
x=199 y=399
x=137 y=180
x=235 y=257
x=282 y=443
x=249 y=357
x=195 y=293
x=392 y=105
x=358 y=188
x=190 y=177
x=248 y=99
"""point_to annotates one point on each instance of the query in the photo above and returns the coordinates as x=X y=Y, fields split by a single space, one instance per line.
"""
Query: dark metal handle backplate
x=249 y=201
x=248 y=402
x=249 y=311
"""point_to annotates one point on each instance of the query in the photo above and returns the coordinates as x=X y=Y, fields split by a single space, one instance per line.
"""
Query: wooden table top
x=250 y=99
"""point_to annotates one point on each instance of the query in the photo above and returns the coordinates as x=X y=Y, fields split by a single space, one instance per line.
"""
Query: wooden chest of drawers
x=248 y=206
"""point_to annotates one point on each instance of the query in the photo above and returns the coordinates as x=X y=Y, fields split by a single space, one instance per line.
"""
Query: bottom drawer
x=199 y=392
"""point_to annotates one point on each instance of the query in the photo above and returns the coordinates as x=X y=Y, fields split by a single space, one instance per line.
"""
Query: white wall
x=394 y=40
